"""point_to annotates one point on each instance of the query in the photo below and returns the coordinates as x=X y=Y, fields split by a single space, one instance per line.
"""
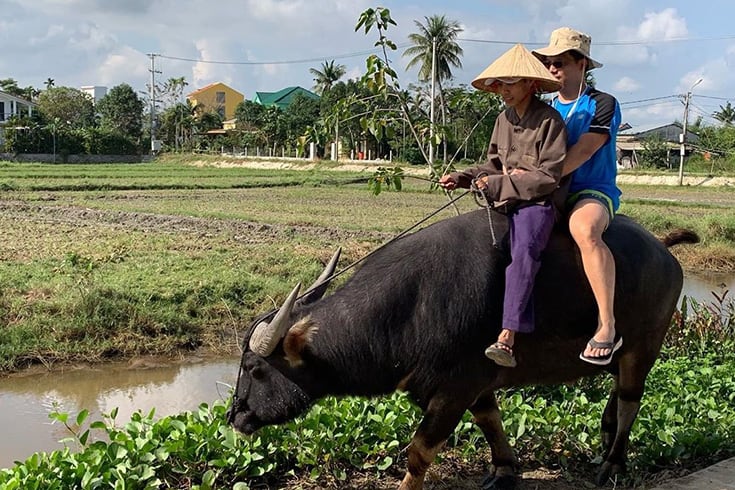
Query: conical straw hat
x=517 y=62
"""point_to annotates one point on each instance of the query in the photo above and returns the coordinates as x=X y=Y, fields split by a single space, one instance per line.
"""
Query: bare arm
x=583 y=150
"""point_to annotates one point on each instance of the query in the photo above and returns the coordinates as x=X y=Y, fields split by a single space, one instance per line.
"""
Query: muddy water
x=26 y=400
x=701 y=287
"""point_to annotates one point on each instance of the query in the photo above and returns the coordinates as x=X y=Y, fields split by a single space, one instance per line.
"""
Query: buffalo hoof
x=500 y=479
x=608 y=472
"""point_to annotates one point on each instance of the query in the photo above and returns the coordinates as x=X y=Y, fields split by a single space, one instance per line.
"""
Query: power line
x=716 y=98
x=609 y=43
x=277 y=62
x=404 y=45
x=647 y=100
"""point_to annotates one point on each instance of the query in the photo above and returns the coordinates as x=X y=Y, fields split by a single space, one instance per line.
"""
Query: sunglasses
x=556 y=64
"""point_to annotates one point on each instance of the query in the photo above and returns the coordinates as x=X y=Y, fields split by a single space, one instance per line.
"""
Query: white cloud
x=212 y=49
x=626 y=84
x=662 y=25
x=125 y=64
x=657 y=113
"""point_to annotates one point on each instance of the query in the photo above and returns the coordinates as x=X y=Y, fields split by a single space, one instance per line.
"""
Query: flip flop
x=502 y=354
x=602 y=360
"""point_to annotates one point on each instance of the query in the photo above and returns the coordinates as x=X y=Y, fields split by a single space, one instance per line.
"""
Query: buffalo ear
x=297 y=338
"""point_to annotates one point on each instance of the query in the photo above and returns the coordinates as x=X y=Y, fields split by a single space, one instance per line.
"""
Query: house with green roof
x=283 y=97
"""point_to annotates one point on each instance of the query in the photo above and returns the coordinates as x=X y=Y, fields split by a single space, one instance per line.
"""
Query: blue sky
x=650 y=49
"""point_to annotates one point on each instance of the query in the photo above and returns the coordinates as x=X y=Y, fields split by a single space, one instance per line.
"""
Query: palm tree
x=327 y=76
x=725 y=114
x=438 y=34
x=448 y=52
x=50 y=82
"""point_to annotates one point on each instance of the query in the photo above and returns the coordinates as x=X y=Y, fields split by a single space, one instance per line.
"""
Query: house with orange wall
x=216 y=97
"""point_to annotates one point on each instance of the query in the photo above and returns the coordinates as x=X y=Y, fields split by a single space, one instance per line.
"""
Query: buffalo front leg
x=504 y=464
x=440 y=418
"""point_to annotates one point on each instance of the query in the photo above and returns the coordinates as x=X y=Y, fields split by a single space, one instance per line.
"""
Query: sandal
x=502 y=354
x=602 y=360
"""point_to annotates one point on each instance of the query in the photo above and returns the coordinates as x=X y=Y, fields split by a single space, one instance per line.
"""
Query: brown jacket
x=537 y=143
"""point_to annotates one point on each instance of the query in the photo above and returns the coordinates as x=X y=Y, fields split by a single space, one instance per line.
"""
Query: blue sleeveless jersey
x=595 y=112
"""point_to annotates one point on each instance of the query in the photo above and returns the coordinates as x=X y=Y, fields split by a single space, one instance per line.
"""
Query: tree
x=121 y=111
x=301 y=113
x=69 y=105
x=170 y=92
x=10 y=86
x=448 y=53
x=655 y=153
x=327 y=76
x=435 y=49
x=725 y=114
x=250 y=114
x=50 y=83
x=177 y=123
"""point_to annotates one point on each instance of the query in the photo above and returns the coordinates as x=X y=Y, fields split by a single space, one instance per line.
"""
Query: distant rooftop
x=284 y=97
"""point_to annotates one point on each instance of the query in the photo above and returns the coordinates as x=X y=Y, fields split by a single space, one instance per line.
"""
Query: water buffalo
x=417 y=315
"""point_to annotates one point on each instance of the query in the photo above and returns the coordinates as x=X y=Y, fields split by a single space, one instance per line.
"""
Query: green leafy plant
x=386 y=177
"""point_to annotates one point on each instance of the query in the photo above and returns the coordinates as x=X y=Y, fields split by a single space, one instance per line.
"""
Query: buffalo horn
x=266 y=335
x=317 y=290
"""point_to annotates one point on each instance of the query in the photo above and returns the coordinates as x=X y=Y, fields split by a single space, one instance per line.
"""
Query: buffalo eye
x=257 y=372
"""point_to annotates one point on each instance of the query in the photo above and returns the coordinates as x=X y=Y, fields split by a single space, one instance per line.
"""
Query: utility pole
x=152 y=93
x=431 y=111
x=683 y=135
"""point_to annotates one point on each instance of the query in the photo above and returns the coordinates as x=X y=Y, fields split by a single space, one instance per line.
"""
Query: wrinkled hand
x=481 y=182
x=448 y=182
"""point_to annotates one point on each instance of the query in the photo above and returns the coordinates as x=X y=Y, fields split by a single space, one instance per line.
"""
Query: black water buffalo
x=417 y=315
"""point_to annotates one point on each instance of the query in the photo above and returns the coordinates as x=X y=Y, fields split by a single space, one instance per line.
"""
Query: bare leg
x=507 y=337
x=587 y=222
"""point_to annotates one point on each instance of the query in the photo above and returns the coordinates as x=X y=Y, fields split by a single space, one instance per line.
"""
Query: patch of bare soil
x=244 y=231
x=454 y=474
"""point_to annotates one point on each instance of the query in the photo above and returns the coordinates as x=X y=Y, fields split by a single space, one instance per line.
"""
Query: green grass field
x=110 y=261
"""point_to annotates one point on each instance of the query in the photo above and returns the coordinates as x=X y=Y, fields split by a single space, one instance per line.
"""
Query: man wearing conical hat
x=522 y=171
x=592 y=118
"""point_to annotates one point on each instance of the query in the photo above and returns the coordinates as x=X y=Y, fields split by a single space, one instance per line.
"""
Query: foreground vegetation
x=687 y=421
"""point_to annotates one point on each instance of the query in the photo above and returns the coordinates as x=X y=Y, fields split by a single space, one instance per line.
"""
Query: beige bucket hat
x=516 y=63
x=567 y=39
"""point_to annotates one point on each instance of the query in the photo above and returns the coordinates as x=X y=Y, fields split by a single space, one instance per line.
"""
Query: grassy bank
x=109 y=261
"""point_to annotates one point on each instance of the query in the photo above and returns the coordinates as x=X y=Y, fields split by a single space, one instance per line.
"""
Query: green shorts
x=598 y=196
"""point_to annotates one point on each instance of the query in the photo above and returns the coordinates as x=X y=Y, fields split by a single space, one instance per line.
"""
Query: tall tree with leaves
x=725 y=114
x=435 y=50
x=327 y=76
x=121 y=111
x=69 y=105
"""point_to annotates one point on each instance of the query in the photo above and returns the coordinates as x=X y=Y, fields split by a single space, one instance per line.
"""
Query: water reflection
x=27 y=400
x=701 y=286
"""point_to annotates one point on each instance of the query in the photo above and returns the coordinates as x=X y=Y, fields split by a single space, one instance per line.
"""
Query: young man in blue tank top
x=592 y=118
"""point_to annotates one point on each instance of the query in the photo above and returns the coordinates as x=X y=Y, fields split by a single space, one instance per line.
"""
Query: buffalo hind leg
x=630 y=385
x=440 y=418
x=609 y=425
x=504 y=464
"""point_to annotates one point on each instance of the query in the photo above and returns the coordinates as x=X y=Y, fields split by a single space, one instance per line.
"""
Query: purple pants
x=530 y=229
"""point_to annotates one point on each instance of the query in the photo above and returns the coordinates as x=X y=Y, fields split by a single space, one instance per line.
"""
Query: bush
x=106 y=142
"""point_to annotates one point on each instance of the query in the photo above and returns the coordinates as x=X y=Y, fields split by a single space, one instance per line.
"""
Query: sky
x=653 y=51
